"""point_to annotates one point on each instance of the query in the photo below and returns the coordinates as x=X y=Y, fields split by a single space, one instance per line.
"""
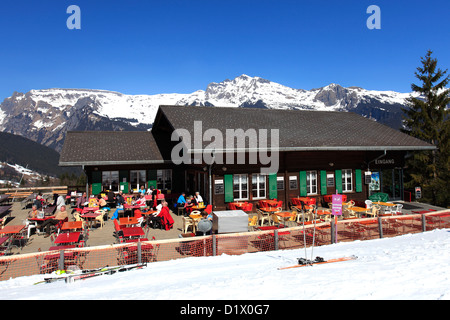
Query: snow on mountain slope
x=45 y=115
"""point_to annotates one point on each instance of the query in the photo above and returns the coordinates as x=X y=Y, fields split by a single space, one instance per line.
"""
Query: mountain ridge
x=45 y=115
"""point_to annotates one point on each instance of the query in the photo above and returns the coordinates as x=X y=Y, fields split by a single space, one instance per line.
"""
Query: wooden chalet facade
x=318 y=153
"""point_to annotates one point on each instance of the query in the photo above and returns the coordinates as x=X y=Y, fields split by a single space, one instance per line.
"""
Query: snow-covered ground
x=412 y=266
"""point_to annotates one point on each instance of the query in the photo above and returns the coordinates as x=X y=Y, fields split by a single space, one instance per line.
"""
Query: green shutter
x=303 y=189
x=358 y=180
x=228 y=186
x=273 y=186
x=151 y=176
x=338 y=179
x=323 y=182
x=96 y=188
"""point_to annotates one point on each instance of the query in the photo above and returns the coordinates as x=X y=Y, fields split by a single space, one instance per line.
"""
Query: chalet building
x=246 y=154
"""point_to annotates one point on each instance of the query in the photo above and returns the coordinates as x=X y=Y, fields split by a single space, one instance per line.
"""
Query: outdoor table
x=90 y=216
x=285 y=215
x=128 y=221
x=72 y=225
x=269 y=209
x=132 y=232
x=198 y=208
x=69 y=237
x=12 y=229
x=358 y=210
x=269 y=203
x=89 y=209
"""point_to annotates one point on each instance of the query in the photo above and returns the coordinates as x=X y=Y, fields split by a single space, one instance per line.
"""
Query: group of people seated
x=189 y=202
x=58 y=215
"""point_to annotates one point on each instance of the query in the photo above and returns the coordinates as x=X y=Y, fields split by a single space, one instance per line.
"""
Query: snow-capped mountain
x=46 y=115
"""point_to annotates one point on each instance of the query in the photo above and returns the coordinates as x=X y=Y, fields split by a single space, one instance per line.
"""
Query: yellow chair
x=252 y=222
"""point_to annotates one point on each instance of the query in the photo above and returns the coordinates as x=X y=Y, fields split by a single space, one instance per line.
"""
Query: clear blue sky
x=149 y=47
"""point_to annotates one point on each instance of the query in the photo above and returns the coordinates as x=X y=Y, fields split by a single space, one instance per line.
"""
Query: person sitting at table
x=33 y=213
x=141 y=190
x=54 y=220
x=141 y=201
x=101 y=202
x=38 y=201
x=188 y=205
x=82 y=201
x=60 y=201
x=181 y=200
x=120 y=200
x=198 y=198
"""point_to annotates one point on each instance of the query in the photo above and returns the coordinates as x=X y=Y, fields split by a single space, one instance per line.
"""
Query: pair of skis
x=90 y=273
x=318 y=260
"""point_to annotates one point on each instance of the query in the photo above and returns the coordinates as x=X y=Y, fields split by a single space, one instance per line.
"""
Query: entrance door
x=392 y=183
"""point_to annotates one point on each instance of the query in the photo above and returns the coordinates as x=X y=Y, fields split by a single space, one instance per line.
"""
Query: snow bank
x=407 y=267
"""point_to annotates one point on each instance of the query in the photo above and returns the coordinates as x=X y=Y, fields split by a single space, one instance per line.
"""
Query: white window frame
x=107 y=182
x=311 y=182
x=138 y=178
x=241 y=178
x=260 y=178
x=163 y=176
x=347 y=174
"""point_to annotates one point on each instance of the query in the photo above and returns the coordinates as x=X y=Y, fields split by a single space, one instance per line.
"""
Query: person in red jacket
x=166 y=218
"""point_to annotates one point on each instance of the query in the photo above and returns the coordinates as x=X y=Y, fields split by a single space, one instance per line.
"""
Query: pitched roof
x=298 y=130
x=109 y=147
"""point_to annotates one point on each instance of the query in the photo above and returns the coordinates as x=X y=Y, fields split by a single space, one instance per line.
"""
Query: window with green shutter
x=228 y=186
x=358 y=180
x=323 y=182
x=303 y=187
x=338 y=178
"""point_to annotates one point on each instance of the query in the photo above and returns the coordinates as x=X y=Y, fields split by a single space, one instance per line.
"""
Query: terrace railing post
x=424 y=223
x=333 y=232
x=380 y=227
x=214 y=253
x=139 y=252
x=61 y=260
x=276 y=239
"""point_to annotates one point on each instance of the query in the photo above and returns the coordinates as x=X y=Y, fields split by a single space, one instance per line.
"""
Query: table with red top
x=68 y=238
x=132 y=232
x=89 y=209
x=269 y=209
x=72 y=225
x=128 y=221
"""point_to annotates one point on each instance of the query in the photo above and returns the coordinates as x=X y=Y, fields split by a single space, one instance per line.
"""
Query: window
x=311 y=182
x=258 y=186
x=137 y=179
x=164 y=179
x=110 y=180
x=240 y=187
x=347 y=183
x=293 y=183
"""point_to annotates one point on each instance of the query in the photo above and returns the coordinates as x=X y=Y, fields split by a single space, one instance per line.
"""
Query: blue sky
x=150 y=47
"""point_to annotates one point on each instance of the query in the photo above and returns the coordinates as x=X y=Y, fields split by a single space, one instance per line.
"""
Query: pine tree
x=427 y=118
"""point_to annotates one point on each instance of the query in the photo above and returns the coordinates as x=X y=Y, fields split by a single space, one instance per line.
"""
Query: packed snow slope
x=408 y=267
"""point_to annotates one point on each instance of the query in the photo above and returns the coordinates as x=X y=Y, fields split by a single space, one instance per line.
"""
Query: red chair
x=208 y=209
x=248 y=207
x=231 y=206
x=280 y=204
